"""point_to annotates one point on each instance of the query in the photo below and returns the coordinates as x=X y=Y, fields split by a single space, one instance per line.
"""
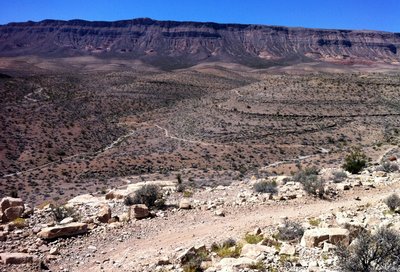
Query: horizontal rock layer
x=177 y=44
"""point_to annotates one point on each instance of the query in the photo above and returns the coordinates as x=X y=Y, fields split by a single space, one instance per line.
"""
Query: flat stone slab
x=16 y=258
x=63 y=231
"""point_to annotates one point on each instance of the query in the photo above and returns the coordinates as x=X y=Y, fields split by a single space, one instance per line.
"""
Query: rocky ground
x=103 y=233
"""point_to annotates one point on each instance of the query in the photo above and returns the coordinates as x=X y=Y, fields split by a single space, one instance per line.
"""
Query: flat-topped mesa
x=190 y=43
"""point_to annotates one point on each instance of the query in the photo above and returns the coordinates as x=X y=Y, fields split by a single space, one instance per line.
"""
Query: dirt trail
x=182 y=230
x=168 y=135
x=70 y=159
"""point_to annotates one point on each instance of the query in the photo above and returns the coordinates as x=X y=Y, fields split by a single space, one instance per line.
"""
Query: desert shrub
x=266 y=187
x=62 y=212
x=14 y=193
x=19 y=223
x=371 y=252
x=290 y=230
x=253 y=238
x=179 y=187
x=226 y=249
x=194 y=260
x=305 y=174
x=314 y=222
x=187 y=193
x=393 y=202
x=339 y=176
x=388 y=167
x=146 y=195
x=258 y=266
x=355 y=161
x=314 y=185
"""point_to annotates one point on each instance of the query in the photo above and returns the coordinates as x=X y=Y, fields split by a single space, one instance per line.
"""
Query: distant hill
x=169 y=44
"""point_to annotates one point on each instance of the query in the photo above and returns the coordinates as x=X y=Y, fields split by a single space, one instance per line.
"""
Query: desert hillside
x=172 y=45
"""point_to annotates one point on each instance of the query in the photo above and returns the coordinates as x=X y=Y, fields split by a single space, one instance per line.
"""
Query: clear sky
x=343 y=14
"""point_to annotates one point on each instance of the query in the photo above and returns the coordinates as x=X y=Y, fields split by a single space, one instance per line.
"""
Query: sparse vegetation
x=355 y=161
x=314 y=222
x=148 y=195
x=266 y=187
x=305 y=174
x=289 y=231
x=227 y=249
x=339 y=176
x=19 y=223
x=393 y=202
x=388 y=167
x=62 y=212
x=258 y=266
x=180 y=187
x=372 y=252
x=253 y=238
x=187 y=193
x=310 y=181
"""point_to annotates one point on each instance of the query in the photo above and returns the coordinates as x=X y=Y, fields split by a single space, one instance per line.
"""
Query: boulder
x=12 y=213
x=104 y=214
x=63 y=230
x=287 y=249
x=11 y=208
x=67 y=220
x=228 y=263
x=335 y=236
x=139 y=211
x=185 y=204
x=10 y=202
x=220 y=213
x=16 y=258
x=253 y=250
x=110 y=195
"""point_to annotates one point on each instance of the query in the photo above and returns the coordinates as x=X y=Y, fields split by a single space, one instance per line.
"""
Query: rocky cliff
x=181 y=44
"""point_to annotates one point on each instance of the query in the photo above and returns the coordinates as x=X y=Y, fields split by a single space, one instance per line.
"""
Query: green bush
x=355 y=161
x=266 y=187
x=227 y=249
x=371 y=252
x=253 y=238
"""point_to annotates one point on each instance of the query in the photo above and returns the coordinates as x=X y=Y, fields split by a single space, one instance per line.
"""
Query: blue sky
x=343 y=14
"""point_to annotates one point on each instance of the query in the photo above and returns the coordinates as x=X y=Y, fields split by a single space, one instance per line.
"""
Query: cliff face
x=168 y=43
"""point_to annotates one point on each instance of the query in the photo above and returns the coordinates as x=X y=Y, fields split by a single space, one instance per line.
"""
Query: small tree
x=355 y=161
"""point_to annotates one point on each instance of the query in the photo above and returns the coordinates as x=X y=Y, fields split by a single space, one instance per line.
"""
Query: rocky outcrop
x=315 y=237
x=178 y=44
x=11 y=208
x=63 y=231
